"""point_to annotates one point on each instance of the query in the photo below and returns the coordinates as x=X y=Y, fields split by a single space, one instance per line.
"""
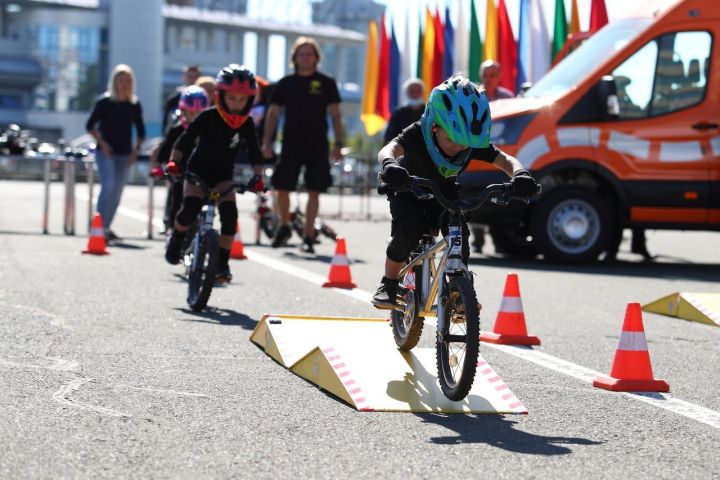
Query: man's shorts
x=317 y=169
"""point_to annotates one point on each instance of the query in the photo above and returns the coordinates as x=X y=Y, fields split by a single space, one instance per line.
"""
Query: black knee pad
x=402 y=245
x=228 y=218
x=191 y=207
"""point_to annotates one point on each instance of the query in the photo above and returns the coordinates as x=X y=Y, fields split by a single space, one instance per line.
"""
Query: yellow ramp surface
x=357 y=360
x=696 y=307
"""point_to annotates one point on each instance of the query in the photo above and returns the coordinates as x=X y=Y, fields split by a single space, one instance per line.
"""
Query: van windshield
x=574 y=68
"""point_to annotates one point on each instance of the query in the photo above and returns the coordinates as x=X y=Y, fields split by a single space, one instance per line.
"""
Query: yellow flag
x=574 y=26
x=428 y=52
x=491 y=32
x=372 y=121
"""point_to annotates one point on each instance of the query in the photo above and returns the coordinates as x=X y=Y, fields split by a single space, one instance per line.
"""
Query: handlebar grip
x=384 y=189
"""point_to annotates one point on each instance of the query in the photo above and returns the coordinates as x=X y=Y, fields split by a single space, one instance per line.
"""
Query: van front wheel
x=571 y=225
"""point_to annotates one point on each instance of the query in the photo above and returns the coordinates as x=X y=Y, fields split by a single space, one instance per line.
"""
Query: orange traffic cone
x=96 y=243
x=237 y=250
x=339 y=276
x=510 y=328
x=631 y=370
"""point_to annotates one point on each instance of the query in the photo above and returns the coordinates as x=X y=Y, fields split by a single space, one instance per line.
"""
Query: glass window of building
x=70 y=58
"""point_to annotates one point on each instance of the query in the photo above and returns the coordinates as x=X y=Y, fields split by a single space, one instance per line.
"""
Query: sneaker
x=385 y=296
x=173 y=250
x=307 y=245
x=282 y=236
x=110 y=236
x=223 y=274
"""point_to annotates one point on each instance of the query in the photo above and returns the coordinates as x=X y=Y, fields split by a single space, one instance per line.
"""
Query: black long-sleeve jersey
x=213 y=157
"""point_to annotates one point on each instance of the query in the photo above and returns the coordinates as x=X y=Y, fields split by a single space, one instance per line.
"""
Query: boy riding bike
x=193 y=100
x=454 y=129
x=220 y=132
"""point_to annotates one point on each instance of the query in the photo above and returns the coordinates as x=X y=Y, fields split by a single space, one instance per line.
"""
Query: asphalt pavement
x=107 y=374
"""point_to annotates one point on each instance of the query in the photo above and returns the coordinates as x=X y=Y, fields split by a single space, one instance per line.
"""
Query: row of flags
x=443 y=49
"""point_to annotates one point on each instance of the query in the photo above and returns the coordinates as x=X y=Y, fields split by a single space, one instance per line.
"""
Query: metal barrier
x=68 y=157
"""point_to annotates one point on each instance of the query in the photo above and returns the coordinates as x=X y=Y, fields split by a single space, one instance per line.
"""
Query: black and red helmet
x=237 y=79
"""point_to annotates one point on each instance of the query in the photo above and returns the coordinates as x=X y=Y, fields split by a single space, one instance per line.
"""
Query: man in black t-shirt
x=454 y=129
x=411 y=112
x=307 y=96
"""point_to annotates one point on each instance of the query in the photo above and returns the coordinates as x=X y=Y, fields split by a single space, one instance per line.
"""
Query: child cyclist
x=193 y=100
x=454 y=129
x=220 y=132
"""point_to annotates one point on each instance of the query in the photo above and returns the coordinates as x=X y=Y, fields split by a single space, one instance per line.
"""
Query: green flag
x=476 y=46
x=560 y=31
x=418 y=71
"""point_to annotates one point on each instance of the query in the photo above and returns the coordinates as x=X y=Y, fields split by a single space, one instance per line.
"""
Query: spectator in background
x=410 y=113
x=307 y=96
x=490 y=74
x=208 y=83
x=190 y=75
x=111 y=123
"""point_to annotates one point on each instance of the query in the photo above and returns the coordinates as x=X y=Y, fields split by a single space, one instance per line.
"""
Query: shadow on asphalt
x=220 y=316
x=317 y=258
x=498 y=431
x=663 y=267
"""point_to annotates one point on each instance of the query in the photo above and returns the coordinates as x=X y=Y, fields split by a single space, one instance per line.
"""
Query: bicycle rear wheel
x=201 y=277
x=457 y=345
x=407 y=325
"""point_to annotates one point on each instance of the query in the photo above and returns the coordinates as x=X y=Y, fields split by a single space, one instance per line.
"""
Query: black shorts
x=317 y=169
x=212 y=177
x=411 y=218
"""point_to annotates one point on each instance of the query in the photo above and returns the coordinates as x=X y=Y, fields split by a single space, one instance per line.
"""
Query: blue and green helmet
x=460 y=108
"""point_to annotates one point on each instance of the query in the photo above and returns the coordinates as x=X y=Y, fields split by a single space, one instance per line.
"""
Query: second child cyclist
x=454 y=129
x=220 y=131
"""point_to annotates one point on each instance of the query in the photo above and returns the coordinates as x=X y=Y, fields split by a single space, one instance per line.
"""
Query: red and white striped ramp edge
x=356 y=360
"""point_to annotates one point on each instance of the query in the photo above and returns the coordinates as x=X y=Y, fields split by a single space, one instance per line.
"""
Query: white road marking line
x=62 y=396
x=659 y=400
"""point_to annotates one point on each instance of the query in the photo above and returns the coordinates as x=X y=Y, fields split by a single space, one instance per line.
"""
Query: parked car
x=624 y=132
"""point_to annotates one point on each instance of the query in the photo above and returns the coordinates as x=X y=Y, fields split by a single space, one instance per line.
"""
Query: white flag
x=462 y=39
x=540 y=44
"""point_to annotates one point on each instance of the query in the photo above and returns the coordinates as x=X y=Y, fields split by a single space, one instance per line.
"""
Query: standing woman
x=110 y=123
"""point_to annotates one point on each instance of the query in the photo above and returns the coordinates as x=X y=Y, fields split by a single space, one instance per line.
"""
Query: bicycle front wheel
x=458 y=342
x=202 y=271
x=407 y=324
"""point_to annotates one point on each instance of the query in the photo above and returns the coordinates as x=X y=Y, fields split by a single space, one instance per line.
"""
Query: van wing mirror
x=608 y=101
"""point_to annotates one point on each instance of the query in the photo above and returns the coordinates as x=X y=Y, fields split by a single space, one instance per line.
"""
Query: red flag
x=382 y=102
x=507 y=49
x=439 y=50
x=598 y=15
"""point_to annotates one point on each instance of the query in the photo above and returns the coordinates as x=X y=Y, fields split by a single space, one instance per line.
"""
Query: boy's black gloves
x=394 y=175
x=523 y=184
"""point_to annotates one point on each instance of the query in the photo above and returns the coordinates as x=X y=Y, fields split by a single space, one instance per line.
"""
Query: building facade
x=55 y=55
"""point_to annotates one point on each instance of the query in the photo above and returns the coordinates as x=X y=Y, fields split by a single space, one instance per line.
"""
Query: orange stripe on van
x=670 y=215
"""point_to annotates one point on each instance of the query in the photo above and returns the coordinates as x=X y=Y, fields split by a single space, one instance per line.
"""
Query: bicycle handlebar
x=499 y=193
x=196 y=180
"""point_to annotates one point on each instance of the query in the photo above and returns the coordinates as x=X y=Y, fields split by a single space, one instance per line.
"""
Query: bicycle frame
x=450 y=263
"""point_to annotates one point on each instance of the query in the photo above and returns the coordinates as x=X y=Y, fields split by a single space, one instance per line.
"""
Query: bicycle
x=450 y=282
x=268 y=222
x=201 y=253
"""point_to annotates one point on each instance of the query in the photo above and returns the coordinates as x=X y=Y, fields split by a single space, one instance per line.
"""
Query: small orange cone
x=510 y=328
x=339 y=276
x=237 y=251
x=96 y=243
x=631 y=370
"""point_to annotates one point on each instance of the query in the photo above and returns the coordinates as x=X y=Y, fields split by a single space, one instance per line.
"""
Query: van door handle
x=705 y=126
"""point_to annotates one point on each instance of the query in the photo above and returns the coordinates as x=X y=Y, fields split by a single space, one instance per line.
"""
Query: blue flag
x=449 y=40
x=394 y=71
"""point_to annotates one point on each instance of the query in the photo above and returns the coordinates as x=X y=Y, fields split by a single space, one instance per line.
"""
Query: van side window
x=669 y=73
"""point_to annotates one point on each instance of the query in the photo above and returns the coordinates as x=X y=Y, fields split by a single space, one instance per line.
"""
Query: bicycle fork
x=205 y=227
x=451 y=264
